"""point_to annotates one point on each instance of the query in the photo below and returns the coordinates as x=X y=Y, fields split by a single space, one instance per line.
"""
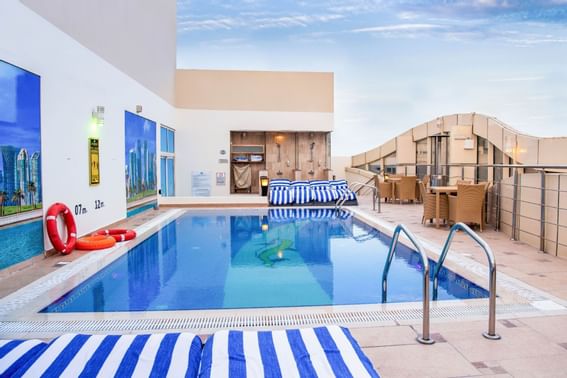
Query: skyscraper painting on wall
x=20 y=140
x=141 y=176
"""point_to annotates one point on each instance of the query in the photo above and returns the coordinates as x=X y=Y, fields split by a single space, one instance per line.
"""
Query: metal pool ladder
x=424 y=338
x=491 y=334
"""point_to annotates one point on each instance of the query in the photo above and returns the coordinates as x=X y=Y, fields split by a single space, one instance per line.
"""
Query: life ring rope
x=119 y=234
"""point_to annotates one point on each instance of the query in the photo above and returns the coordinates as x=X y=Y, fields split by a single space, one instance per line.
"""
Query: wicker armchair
x=468 y=205
x=406 y=188
x=429 y=205
x=385 y=190
x=426 y=181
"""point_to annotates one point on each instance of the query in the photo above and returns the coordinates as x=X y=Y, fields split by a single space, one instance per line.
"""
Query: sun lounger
x=310 y=352
x=280 y=192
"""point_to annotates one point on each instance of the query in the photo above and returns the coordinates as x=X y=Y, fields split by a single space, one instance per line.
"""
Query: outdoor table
x=438 y=190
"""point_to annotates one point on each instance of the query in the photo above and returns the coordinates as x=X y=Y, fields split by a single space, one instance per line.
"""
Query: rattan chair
x=464 y=182
x=429 y=205
x=468 y=205
x=426 y=181
x=405 y=188
x=385 y=190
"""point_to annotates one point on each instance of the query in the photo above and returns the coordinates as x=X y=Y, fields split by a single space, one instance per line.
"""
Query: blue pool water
x=284 y=257
x=20 y=242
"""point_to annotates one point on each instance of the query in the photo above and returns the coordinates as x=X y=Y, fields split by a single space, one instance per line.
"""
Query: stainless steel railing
x=491 y=334
x=508 y=206
x=424 y=338
x=356 y=186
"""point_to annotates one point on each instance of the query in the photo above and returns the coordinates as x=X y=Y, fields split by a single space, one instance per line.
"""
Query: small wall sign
x=221 y=178
x=94 y=168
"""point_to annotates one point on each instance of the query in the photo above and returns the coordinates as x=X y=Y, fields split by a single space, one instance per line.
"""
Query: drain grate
x=211 y=323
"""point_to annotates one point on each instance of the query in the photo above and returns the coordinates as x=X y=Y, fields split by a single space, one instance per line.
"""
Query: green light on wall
x=97 y=119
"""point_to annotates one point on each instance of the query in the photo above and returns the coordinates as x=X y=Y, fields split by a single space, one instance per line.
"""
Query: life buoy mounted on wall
x=118 y=234
x=51 y=225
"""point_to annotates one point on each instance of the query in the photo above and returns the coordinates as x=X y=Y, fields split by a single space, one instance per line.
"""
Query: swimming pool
x=258 y=258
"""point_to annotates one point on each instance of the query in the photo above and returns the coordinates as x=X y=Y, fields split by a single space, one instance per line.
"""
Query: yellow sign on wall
x=94 y=169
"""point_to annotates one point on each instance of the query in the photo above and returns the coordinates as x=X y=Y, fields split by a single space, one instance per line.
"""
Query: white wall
x=137 y=36
x=73 y=81
x=201 y=134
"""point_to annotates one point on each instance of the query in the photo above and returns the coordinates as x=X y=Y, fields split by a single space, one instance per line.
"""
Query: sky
x=19 y=109
x=397 y=64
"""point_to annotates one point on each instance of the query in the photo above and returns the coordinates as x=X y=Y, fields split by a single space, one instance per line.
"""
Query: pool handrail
x=424 y=338
x=491 y=334
x=358 y=185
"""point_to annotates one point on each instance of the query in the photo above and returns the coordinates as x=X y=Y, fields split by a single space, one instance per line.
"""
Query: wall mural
x=20 y=140
x=141 y=178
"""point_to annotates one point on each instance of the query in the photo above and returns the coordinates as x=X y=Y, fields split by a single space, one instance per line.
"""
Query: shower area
x=290 y=155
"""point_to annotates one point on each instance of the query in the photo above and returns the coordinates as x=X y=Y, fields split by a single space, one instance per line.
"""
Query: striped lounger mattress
x=311 y=352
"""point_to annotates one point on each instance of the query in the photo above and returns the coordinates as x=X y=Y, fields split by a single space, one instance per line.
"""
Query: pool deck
x=531 y=346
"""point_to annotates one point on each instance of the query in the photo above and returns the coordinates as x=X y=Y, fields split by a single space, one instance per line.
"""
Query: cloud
x=519 y=78
x=255 y=22
x=397 y=28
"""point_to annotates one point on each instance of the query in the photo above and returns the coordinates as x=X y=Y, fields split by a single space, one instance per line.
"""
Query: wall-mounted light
x=243 y=134
x=98 y=115
x=138 y=109
x=468 y=144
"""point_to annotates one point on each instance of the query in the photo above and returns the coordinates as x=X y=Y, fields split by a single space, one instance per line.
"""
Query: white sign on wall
x=201 y=183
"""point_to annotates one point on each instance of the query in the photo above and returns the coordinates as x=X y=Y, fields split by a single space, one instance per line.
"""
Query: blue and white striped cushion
x=311 y=352
x=339 y=184
x=324 y=195
x=301 y=194
x=319 y=184
x=281 y=196
x=16 y=353
x=74 y=355
x=349 y=194
x=279 y=183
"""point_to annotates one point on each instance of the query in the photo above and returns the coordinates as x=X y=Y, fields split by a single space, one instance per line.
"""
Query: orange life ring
x=51 y=225
x=90 y=243
x=119 y=234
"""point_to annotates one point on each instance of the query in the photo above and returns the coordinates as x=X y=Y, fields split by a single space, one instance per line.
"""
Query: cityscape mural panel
x=141 y=177
x=20 y=140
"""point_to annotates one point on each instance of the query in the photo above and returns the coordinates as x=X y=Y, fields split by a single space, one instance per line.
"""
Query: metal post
x=557 y=220
x=542 y=213
x=462 y=172
x=424 y=338
x=514 y=204
x=498 y=195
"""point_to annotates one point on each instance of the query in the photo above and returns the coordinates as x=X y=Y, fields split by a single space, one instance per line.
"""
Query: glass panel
x=421 y=158
x=163 y=139
x=498 y=159
x=170 y=141
x=482 y=158
x=170 y=178
x=163 y=180
x=250 y=149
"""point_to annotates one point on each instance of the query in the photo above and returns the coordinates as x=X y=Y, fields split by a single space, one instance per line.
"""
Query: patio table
x=438 y=190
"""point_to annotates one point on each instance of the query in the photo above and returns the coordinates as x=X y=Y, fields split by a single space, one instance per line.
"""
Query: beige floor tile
x=553 y=327
x=383 y=336
x=516 y=342
x=437 y=360
x=536 y=367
